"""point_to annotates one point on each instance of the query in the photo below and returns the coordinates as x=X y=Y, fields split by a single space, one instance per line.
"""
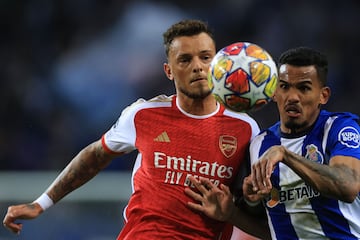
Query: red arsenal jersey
x=173 y=145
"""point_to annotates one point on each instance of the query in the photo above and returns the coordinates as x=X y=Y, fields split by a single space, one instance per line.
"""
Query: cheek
x=312 y=101
x=278 y=98
x=310 y=106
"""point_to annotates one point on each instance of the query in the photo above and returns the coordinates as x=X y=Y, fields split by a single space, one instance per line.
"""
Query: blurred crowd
x=68 y=68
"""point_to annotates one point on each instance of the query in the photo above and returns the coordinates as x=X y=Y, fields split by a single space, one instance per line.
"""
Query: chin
x=295 y=125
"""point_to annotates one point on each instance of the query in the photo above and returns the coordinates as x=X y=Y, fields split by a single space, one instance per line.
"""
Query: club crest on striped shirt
x=313 y=154
x=228 y=145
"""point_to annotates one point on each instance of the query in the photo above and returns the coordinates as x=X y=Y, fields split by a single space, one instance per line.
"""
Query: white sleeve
x=121 y=136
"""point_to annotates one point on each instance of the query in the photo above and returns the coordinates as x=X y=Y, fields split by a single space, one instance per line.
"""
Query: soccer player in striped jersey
x=306 y=167
x=178 y=136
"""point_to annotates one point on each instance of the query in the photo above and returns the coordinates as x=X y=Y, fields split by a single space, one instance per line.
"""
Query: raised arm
x=83 y=167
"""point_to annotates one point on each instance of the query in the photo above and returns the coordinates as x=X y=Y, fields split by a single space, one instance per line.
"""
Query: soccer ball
x=243 y=77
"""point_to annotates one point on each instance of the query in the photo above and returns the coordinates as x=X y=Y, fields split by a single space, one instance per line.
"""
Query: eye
x=184 y=60
x=283 y=86
x=304 y=88
x=207 y=57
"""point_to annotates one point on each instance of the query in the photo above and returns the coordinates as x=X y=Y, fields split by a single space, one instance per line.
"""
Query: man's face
x=299 y=96
x=188 y=64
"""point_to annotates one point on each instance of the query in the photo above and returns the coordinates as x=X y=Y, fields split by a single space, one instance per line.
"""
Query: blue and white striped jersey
x=294 y=209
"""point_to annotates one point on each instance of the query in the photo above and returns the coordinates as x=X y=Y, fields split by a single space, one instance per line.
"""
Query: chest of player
x=290 y=188
x=210 y=146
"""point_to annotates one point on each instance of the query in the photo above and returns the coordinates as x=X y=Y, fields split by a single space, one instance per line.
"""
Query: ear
x=167 y=71
x=325 y=95
x=274 y=97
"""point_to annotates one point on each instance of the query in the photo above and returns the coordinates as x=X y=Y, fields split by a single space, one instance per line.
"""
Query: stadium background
x=68 y=68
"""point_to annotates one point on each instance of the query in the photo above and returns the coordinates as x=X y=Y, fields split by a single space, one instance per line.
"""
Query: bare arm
x=87 y=164
x=340 y=179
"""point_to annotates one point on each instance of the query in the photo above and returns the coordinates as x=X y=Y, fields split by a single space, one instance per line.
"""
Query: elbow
x=349 y=196
x=353 y=197
x=344 y=194
x=348 y=199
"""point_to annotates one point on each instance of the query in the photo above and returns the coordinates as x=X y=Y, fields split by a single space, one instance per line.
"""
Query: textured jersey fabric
x=295 y=210
x=173 y=145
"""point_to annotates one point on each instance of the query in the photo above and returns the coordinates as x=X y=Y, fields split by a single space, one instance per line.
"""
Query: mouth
x=292 y=110
x=198 y=79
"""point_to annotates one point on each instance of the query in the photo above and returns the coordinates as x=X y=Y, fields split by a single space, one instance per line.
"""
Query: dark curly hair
x=305 y=56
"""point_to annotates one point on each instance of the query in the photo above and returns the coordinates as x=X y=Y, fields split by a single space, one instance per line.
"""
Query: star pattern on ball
x=255 y=92
x=243 y=76
x=220 y=86
x=243 y=62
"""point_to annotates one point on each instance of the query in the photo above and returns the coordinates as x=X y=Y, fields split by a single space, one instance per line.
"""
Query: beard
x=201 y=94
x=296 y=127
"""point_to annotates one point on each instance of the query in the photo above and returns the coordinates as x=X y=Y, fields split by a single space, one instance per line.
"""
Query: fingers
x=206 y=190
x=14 y=227
x=256 y=177
x=9 y=221
x=208 y=185
x=225 y=189
x=197 y=184
x=193 y=195
x=265 y=167
x=196 y=206
x=248 y=185
x=268 y=171
x=204 y=185
x=260 y=175
x=199 y=197
x=22 y=211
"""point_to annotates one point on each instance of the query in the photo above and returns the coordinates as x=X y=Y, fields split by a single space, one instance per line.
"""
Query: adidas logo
x=163 y=137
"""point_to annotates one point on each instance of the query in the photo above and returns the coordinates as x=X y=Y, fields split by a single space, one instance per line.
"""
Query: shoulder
x=338 y=120
x=141 y=103
x=338 y=116
x=155 y=101
x=270 y=135
x=344 y=127
x=245 y=118
x=240 y=115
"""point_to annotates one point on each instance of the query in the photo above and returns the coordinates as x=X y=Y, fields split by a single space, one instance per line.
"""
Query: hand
x=249 y=194
x=23 y=211
x=262 y=170
x=214 y=202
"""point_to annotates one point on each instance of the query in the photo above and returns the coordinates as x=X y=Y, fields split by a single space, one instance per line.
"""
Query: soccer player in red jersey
x=186 y=134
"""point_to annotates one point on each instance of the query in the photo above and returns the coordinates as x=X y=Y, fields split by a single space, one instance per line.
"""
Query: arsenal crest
x=228 y=145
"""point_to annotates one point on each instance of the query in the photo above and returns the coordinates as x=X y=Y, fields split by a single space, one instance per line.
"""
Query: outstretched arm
x=217 y=203
x=340 y=179
x=87 y=164
x=80 y=170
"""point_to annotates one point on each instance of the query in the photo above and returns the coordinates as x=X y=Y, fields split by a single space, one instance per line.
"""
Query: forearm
x=338 y=181
x=80 y=170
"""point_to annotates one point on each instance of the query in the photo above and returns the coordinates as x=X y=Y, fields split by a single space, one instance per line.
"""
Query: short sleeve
x=121 y=136
x=344 y=137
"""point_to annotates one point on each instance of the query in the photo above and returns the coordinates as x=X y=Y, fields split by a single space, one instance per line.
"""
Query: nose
x=198 y=65
x=293 y=95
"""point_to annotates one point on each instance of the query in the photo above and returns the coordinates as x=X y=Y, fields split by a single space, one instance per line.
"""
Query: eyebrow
x=305 y=81
x=190 y=54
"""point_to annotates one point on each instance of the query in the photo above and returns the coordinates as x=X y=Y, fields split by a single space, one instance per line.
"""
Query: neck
x=202 y=106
